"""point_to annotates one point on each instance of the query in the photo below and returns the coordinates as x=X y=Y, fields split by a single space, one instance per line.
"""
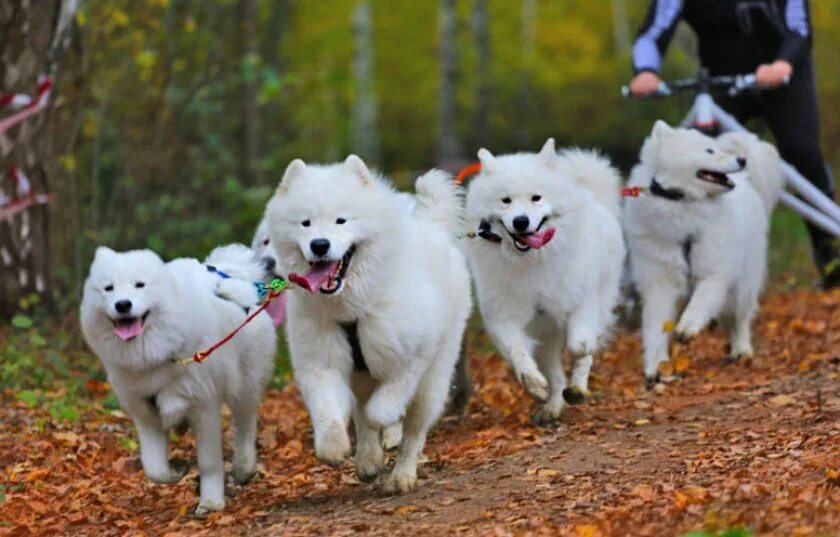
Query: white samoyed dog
x=699 y=232
x=547 y=260
x=140 y=315
x=379 y=330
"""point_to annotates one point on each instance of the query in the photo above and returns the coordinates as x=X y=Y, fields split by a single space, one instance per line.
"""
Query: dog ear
x=486 y=158
x=660 y=128
x=295 y=169
x=358 y=167
x=548 y=154
x=102 y=253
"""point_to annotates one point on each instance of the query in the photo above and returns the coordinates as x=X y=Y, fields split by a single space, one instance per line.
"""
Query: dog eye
x=139 y=285
x=536 y=197
x=305 y=223
x=265 y=242
x=109 y=288
x=506 y=201
x=340 y=221
x=710 y=151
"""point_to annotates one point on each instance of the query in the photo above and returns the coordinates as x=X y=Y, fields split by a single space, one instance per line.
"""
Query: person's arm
x=655 y=35
x=796 y=45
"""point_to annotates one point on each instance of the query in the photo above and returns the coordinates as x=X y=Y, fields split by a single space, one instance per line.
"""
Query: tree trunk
x=364 y=128
x=33 y=36
x=621 y=26
x=527 y=41
x=249 y=57
x=449 y=144
x=481 y=116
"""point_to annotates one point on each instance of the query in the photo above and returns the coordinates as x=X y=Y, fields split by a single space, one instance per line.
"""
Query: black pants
x=792 y=115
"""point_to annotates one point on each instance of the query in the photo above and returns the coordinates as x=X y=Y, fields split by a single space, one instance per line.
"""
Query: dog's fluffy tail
x=594 y=172
x=763 y=164
x=439 y=199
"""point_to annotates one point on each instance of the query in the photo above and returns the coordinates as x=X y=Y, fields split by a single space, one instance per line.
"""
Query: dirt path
x=754 y=444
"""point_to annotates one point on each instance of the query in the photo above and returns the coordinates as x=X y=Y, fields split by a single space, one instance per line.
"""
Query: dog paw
x=369 y=466
x=652 y=380
x=243 y=476
x=392 y=436
x=574 y=395
x=207 y=507
x=535 y=384
x=547 y=415
x=173 y=474
x=333 y=446
x=400 y=483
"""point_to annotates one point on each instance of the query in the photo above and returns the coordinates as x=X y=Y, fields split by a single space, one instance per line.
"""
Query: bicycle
x=708 y=117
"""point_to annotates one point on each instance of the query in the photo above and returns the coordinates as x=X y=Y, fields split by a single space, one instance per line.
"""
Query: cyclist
x=773 y=39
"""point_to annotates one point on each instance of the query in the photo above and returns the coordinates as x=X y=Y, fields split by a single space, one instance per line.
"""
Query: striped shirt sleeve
x=655 y=34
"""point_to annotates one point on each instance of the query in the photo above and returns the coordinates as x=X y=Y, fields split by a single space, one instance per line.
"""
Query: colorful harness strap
x=275 y=289
x=468 y=171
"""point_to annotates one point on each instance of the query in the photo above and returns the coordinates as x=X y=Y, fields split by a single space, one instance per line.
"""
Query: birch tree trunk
x=449 y=143
x=364 y=127
x=481 y=116
x=33 y=37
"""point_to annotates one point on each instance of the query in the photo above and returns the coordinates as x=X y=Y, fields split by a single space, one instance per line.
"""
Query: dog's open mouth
x=536 y=239
x=324 y=276
x=717 y=178
x=128 y=328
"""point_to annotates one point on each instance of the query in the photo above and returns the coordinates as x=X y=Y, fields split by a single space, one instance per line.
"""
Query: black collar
x=486 y=233
x=673 y=194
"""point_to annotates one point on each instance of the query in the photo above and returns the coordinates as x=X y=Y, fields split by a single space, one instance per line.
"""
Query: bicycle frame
x=707 y=116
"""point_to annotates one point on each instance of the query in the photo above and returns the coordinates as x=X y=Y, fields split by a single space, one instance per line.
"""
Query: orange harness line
x=468 y=171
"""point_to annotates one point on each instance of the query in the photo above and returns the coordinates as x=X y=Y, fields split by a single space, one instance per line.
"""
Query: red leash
x=277 y=288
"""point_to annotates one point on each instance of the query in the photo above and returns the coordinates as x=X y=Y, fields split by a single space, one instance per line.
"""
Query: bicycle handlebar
x=732 y=85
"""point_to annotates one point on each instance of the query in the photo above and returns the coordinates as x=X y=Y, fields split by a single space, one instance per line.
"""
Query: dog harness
x=673 y=194
x=351 y=333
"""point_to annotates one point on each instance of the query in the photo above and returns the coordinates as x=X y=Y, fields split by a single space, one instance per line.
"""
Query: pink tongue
x=277 y=310
x=127 y=331
x=538 y=239
x=315 y=277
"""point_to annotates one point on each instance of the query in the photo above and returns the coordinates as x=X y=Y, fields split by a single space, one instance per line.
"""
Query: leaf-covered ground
x=754 y=445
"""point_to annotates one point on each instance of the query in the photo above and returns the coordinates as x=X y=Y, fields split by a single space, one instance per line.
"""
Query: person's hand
x=773 y=75
x=645 y=83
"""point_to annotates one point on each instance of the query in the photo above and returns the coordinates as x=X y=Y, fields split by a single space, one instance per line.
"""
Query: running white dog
x=379 y=333
x=700 y=231
x=547 y=260
x=139 y=315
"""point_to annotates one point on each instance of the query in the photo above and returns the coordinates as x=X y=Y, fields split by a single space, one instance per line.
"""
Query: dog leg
x=740 y=339
x=154 y=454
x=370 y=457
x=516 y=347
x=706 y=302
x=579 y=390
x=659 y=308
x=461 y=387
x=245 y=442
x=388 y=403
x=549 y=357
x=329 y=401
x=211 y=467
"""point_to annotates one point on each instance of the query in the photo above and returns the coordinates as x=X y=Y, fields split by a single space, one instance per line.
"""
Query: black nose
x=268 y=264
x=319 y=246
x=742 y=161
x=520 y=223
x=123 y=306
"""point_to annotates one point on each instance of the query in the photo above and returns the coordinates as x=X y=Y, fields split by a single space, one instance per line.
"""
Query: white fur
x=408 y=289
x=185 y=315
x=536 y=303
x=728 y=228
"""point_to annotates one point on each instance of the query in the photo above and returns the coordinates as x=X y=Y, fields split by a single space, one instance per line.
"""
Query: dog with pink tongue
x=547 y=256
